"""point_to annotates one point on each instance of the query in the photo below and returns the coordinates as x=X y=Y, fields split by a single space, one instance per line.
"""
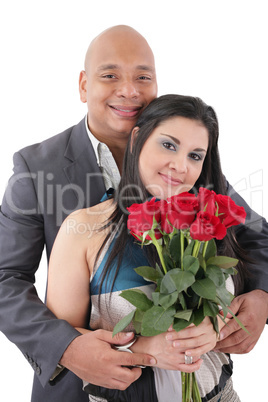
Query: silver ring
x=188 y=359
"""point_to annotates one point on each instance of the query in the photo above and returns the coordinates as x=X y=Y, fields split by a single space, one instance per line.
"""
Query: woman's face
x=172 y=158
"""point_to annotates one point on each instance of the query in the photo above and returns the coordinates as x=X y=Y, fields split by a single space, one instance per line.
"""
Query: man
x=60 y=175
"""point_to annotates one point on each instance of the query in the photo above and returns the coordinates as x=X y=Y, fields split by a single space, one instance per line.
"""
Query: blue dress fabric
x=107 y=308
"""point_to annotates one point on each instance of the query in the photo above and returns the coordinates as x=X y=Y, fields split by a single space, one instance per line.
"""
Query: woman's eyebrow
x=178 y=142
x=173 y=138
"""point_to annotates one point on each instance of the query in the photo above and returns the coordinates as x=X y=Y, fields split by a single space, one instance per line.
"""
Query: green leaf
x=167 y=300
x=229 y=271
x=189 y=248
x=202 y=262
x=224 y=296
x=211 y=249
x=137 y=320
x=139 y=315
x=192 y=299
x=180 y=324
x=167 y=284
x=191 y=264
x=155 y=297
x=215 y=273
x=214 y=321
x=122 y=324
x=137 y=326
x=224 y=310
x=222 y=261
x=210 y=309
x=169 y=263
x=148 y=273
x=137 y=298
x=159 y=270
x=175 y=249
x=182 y=301
x=205 y=288
x=182 y=279
x=197 y=317
x=157 y=320
x=184 y=314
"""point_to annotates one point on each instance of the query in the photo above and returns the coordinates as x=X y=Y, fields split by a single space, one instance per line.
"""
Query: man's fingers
x=229 y=328
x=119 y=339
x=135 y=359
x=125 y=358
x=233 y=344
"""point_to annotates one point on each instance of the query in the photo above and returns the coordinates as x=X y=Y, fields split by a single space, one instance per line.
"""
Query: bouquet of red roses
x=190 y=281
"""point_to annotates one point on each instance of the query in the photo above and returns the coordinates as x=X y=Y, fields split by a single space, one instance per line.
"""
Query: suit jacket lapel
x=83 y=172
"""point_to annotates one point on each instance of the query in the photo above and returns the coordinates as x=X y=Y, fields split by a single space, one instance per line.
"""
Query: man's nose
x=127 y=89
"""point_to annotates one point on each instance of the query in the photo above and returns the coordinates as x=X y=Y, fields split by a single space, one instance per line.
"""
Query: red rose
x=207 y=200
x=223 y=206
x=207 y=227
x=230 y=213
x=141 y=218
x=179 y=212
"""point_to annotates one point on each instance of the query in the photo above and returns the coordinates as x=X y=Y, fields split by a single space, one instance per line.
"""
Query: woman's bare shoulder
x=96 y=214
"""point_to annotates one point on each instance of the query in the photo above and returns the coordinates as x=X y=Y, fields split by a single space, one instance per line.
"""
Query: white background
x=213 y=49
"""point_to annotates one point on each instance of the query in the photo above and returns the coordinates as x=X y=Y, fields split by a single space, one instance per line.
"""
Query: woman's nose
x=179 y=164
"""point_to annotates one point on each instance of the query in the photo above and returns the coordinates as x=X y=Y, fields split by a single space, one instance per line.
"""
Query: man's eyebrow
x=143 y=67
x=108 y=67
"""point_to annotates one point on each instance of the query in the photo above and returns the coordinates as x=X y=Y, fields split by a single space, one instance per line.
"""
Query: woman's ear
x=134 y=135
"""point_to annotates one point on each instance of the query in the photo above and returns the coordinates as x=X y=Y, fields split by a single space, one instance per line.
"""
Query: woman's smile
x=172 y=181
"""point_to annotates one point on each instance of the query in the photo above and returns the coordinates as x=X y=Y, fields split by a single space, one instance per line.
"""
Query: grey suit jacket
x=50 y=180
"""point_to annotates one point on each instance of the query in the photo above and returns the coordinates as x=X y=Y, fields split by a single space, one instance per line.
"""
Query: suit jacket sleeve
x=253 y=237
x=24 y=319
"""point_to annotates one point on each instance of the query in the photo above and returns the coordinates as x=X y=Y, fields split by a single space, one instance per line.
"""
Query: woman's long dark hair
x=131 y=189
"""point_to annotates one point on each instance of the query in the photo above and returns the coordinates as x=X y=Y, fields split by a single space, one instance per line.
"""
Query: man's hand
x=252 y=310
x=92 y=358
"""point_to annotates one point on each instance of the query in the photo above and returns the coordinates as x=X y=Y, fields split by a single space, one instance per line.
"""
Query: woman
x=172 y=149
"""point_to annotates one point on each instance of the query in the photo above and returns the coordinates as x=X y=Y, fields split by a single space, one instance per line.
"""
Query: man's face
x=119 y=82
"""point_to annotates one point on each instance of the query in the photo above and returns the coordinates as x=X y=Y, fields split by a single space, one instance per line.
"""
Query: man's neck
x=118 y=154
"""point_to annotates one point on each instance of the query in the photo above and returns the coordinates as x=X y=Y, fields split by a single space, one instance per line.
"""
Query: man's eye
x=109 y=76
x=143 y=77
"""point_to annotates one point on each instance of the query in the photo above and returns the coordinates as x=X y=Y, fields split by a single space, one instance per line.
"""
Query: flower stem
x=197 y=245
x=205 y=248
x=182 y=247
x=190 y=390
x=159 y=251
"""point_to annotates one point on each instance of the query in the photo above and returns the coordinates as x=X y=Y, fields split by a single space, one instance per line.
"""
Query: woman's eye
x=195 y=157
x=169 y=145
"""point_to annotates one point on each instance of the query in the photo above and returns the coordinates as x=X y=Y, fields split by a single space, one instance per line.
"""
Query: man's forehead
x=128 y=50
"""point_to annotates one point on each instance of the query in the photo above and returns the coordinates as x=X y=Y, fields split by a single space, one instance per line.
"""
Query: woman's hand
x=170 y=348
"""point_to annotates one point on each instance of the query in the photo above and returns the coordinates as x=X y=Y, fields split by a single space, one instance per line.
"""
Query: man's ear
x=83 y=86
x=134 y=135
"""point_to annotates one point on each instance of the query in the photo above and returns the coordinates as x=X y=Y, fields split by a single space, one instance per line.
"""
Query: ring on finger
x=188 y=359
